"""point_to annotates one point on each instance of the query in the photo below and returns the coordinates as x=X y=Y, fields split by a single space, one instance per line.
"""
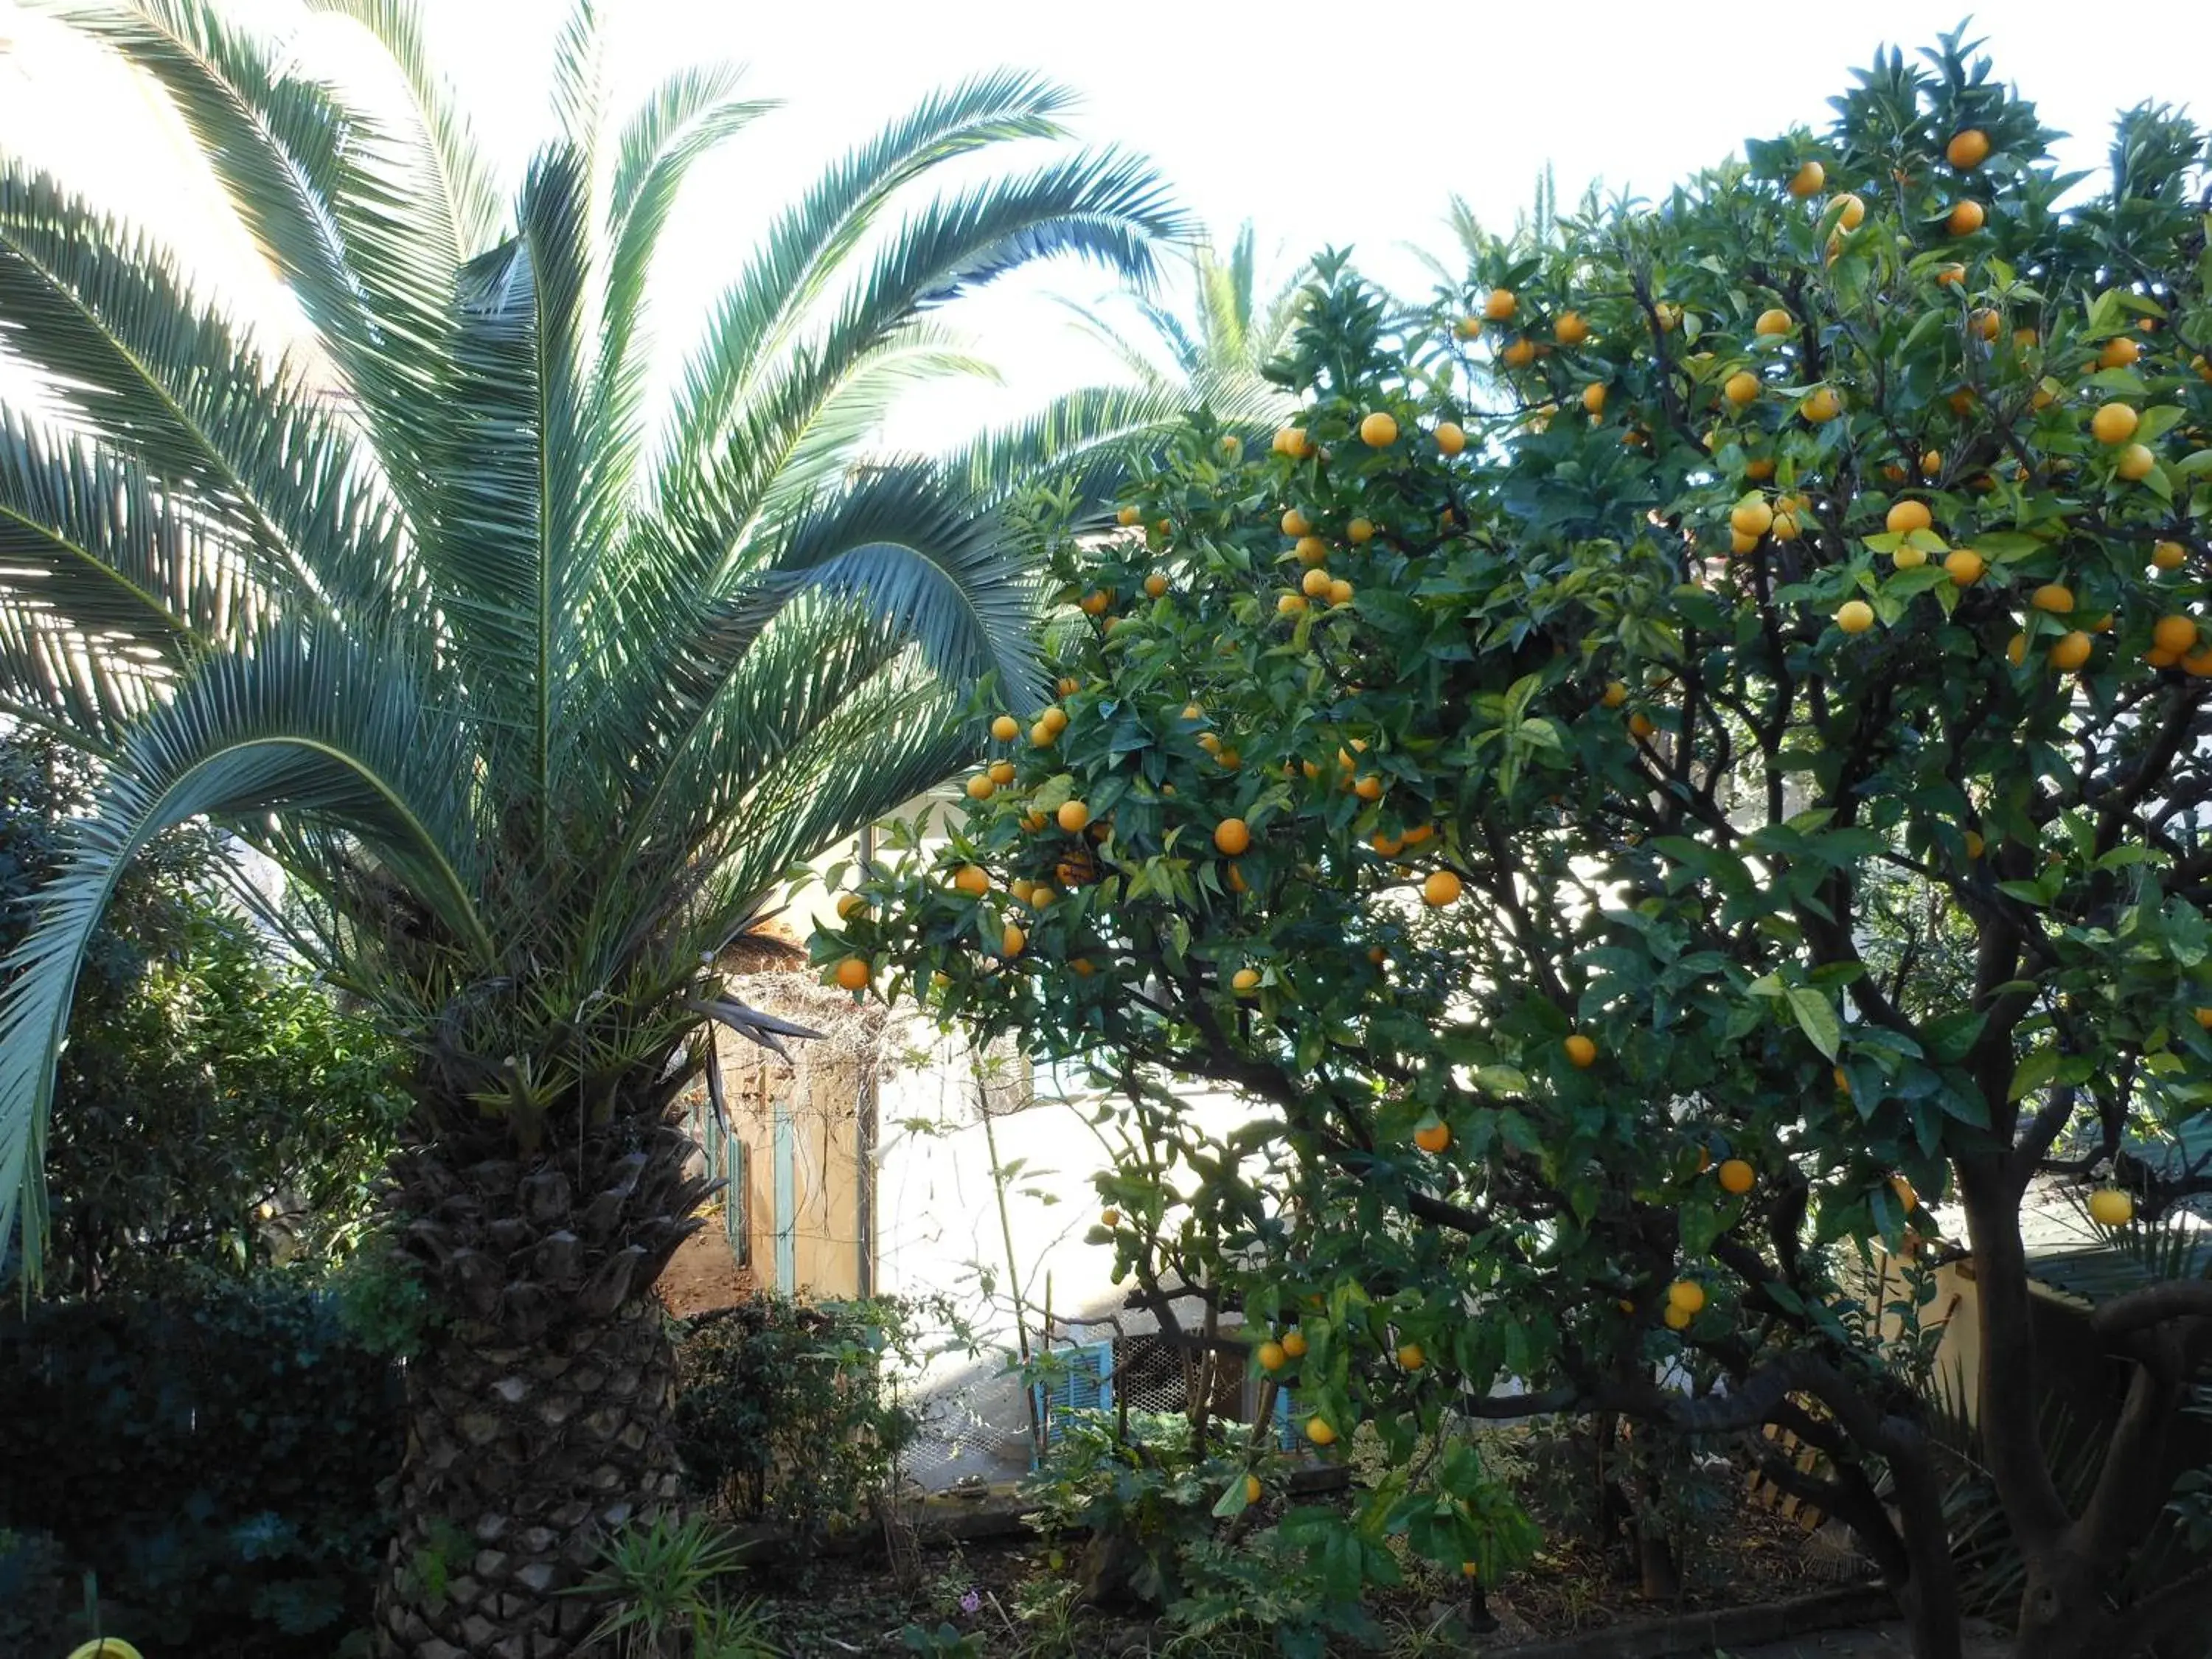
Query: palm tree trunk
x=537 y=1413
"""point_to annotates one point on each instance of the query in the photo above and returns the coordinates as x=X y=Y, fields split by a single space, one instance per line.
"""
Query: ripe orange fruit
x=980 y=787
x=1677 y=1319
x=1987 y=324
x=1907 y=516
x=1340 y=592
x=2135 y=462
x=1315 y=583
x=1440 y=889
x=1359 y=532
x=1907 y=1199
x=1616 y=693
x=1010 y=941
x=1853 y=212
x=1854 y=617
x=2111 y=1207
x=1290 y=604
x=1968 y=149
x=1433 y=1137
x=1581 y=1052
x=1419 y=833
x=1252 y=1489
x=1771 y=322
x=1909 y=558
x=2198 y=664
x=2118 y=352
x=1379 y=430
x=2114 y=423
x=1687 y=1295
x=1593 y=397
x=1155 y=584
x=1760 y=469
x=1006 y=728
x=1318 y=1431
x=1571 y=330
x=1640 y=726
x=1974 y=844
x=1520 y=354
x=1741 y=387
x=1271 y=1357
x=2204 y=1017
x=1294 y=1341
x=2055 y=598
x=1450 y=437
x=2177 y=633
x=1931 y=463
x=1965 y=218
x=1002 y=772
x=1311 y=549
x=2071 y=651
x=1128 y=515
x=1964 y=566
x=1296 y=523
x=1245 y=982
x=1808 y=180
x=1952 y=276
x=971 y=880
x=1369 y=787
x=1072 y=816
x=1232 y=836
x=1411 y=1357
x=2016 y=650
x=2169 y=556
x=1822 y=406
x=1736 y=1176
x=1052 y=718
x=1752 y=518
x=1291 y=441
x=1500 y=305
x=853 y=974
x=850 y=905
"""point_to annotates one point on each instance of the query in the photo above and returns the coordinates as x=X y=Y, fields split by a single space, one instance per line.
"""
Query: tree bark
x=537 y=1412
x=519 y=1460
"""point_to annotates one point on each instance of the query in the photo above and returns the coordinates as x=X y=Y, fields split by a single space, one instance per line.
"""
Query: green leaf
x=1816 y=1016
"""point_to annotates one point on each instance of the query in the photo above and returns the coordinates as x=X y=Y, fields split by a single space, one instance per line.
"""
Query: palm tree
x=530 y=692
x=1216 y=352
x=1211 y=357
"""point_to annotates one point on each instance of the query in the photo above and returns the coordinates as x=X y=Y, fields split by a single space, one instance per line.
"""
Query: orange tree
x=1689 y=745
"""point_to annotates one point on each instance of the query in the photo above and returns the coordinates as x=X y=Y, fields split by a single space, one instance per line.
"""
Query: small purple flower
x=972 y=1603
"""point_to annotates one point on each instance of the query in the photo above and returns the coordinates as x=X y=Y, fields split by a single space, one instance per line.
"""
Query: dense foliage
x=786 y=1410
x=217 y=1453
x=1690 y=745
x=216 y=1106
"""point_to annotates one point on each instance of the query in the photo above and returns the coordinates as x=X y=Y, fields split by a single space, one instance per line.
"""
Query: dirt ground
x=1875 y=1641
x=703 y=1274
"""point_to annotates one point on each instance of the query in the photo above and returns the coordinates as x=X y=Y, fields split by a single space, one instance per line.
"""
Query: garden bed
x=1017 y=1595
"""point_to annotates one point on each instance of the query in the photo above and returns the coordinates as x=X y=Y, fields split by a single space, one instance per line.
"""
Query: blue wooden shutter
x=1086 y=1383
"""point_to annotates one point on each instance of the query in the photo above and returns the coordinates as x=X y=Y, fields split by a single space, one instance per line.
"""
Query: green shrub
x=784 y=1411
x=213 y=1452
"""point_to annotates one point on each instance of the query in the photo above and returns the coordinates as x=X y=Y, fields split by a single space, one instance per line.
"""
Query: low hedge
x=213 y=1452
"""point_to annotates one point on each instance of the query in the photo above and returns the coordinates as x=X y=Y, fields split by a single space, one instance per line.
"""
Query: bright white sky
x=1324 y=123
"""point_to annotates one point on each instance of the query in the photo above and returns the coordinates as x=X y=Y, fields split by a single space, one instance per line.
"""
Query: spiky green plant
x=532 y=689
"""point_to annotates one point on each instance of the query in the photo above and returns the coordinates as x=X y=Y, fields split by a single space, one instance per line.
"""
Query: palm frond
x=532 y=498
x=926 y=565
x=105 y=317
x=686 y=116
x=305 y=724
x=1105 y=206
x=89 y=540
x=466 y=194
x=810 y=243
x=1086 y=439
x=329 y=196
x=1138 y=363
x=55 y=678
